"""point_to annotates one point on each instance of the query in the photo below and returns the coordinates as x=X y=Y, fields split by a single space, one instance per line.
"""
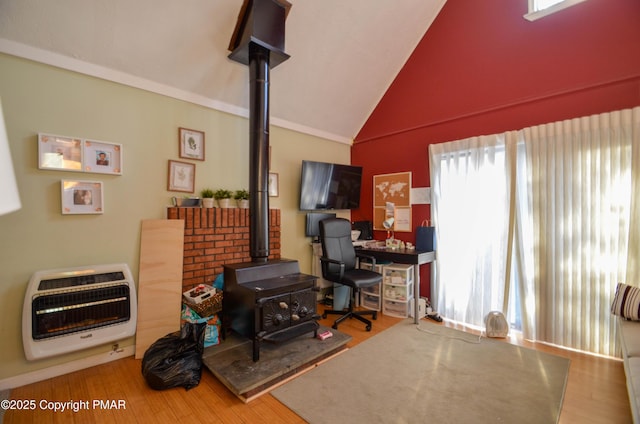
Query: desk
x=403 y=256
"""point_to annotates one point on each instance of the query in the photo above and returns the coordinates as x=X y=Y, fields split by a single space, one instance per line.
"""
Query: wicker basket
x=207 y=307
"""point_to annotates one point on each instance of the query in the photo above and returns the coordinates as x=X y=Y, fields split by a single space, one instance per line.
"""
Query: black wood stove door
x=280 y=312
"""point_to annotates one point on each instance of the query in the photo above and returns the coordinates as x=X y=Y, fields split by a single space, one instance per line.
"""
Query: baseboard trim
x=62 y=369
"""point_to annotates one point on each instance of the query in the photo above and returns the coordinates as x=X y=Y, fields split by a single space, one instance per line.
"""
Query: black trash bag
x=176 y=359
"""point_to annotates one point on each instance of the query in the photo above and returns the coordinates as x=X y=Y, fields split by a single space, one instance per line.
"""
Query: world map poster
x=392 y=199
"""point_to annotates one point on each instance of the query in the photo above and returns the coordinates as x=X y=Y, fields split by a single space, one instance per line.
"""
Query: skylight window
x=542 y=8
x=544 y=4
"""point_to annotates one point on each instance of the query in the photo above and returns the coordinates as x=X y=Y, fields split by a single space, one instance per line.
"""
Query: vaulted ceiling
x=344 y=53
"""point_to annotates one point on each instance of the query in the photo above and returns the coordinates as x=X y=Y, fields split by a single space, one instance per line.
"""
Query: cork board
x=160 y=281
x=392 y=199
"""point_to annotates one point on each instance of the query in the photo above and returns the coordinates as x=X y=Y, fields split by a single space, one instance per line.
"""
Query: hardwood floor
x=596 y=392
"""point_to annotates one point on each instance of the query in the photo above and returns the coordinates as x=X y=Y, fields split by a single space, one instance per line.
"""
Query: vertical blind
x=559 y=213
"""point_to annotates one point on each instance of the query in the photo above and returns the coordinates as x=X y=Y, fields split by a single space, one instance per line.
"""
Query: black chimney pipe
x=258 y=41
x=259 y=152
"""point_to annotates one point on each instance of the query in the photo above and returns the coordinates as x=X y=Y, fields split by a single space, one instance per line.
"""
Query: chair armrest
x=371 y=258
x=325 y=264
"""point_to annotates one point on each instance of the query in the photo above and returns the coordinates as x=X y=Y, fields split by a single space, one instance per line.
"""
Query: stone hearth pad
x=231 y=361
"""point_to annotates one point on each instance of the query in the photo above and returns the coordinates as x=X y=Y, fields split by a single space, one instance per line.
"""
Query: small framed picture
x=101 y=157
x=181 y=176
x=273 y=184
x=191 y=144
x=81 y=197
x=59 y=152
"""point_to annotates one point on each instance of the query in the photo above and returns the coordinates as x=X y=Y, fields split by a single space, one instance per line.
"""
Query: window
x=539 y=224
x=470 y=189
x=542 y=8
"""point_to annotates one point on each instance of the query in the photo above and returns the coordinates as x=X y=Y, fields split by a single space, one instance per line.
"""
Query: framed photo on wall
x=59 y=152
x=181 y=176
x=103 y=158
x=191 y=143
x=81 y=197
x=273 y=184
x=63 y=153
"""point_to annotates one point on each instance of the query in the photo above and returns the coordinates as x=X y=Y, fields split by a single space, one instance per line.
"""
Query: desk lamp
x=388 y=225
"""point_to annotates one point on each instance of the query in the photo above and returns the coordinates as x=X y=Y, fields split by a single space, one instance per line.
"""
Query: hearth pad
x=232 y=363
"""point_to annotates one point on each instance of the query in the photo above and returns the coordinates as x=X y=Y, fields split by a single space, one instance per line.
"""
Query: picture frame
x=59 y=152
x=81 y=197
x=273 y=184
x=102 y=157
x=181 y=176
x=191 y=143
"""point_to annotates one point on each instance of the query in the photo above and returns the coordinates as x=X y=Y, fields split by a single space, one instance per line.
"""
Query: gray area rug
x=431 y=373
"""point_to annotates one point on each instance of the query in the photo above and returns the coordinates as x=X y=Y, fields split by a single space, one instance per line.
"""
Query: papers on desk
x=369 y=244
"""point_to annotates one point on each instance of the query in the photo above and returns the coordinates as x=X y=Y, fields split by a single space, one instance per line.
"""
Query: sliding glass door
x=538 y=224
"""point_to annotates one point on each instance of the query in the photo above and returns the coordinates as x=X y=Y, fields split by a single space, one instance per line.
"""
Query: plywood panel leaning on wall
x=160 y=281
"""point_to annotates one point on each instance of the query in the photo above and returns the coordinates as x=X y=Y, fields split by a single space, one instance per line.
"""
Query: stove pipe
x=259 y=153
x=258 y=41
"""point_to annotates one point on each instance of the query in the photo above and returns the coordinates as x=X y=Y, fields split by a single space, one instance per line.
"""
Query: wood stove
x=264 y=300
x=269 y=301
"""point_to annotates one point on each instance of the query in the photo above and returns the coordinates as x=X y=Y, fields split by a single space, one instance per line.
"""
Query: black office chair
x=339 y=266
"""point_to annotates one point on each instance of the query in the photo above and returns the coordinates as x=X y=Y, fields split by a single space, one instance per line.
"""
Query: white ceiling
x=344 y=53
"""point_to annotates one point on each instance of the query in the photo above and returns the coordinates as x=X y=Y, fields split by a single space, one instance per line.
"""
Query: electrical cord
x=436 y=317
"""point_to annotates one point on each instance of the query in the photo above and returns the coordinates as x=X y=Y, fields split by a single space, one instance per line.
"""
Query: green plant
x=222 y=194
x=241 y=195
x=206 y=193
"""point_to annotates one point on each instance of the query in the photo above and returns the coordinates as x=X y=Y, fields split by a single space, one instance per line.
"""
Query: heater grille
x=75 y=308
x=63 y=313
x=80 y=280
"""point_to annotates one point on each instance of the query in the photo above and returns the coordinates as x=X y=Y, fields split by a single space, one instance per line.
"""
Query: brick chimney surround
x=214 y=237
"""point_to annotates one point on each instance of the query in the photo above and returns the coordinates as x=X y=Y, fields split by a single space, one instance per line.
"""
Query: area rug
x=430 y=373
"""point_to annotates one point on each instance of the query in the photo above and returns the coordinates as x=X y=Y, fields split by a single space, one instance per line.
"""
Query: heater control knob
x=277 y=319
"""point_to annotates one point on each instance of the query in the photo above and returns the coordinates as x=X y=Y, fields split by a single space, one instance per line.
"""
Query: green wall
x=40 y=98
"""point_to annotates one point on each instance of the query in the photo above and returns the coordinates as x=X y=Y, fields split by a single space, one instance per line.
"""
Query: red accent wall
x=482 y=69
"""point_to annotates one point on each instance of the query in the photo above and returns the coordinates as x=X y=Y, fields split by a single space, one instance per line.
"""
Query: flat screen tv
x=325 y=186
x=313 y=223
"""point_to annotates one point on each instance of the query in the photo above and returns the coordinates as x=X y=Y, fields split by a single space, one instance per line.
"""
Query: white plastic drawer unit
x=398 y=281
x=397 y=309
x=398 y=274
x=398 y=292
x=371 y=290
x=370 y=301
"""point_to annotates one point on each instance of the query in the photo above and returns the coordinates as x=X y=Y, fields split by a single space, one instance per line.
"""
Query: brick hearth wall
x=214 y=237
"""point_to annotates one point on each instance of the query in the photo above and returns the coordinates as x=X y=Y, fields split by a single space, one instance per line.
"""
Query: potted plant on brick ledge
x=223 y=197
x=242 y=198
x=207 y=197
